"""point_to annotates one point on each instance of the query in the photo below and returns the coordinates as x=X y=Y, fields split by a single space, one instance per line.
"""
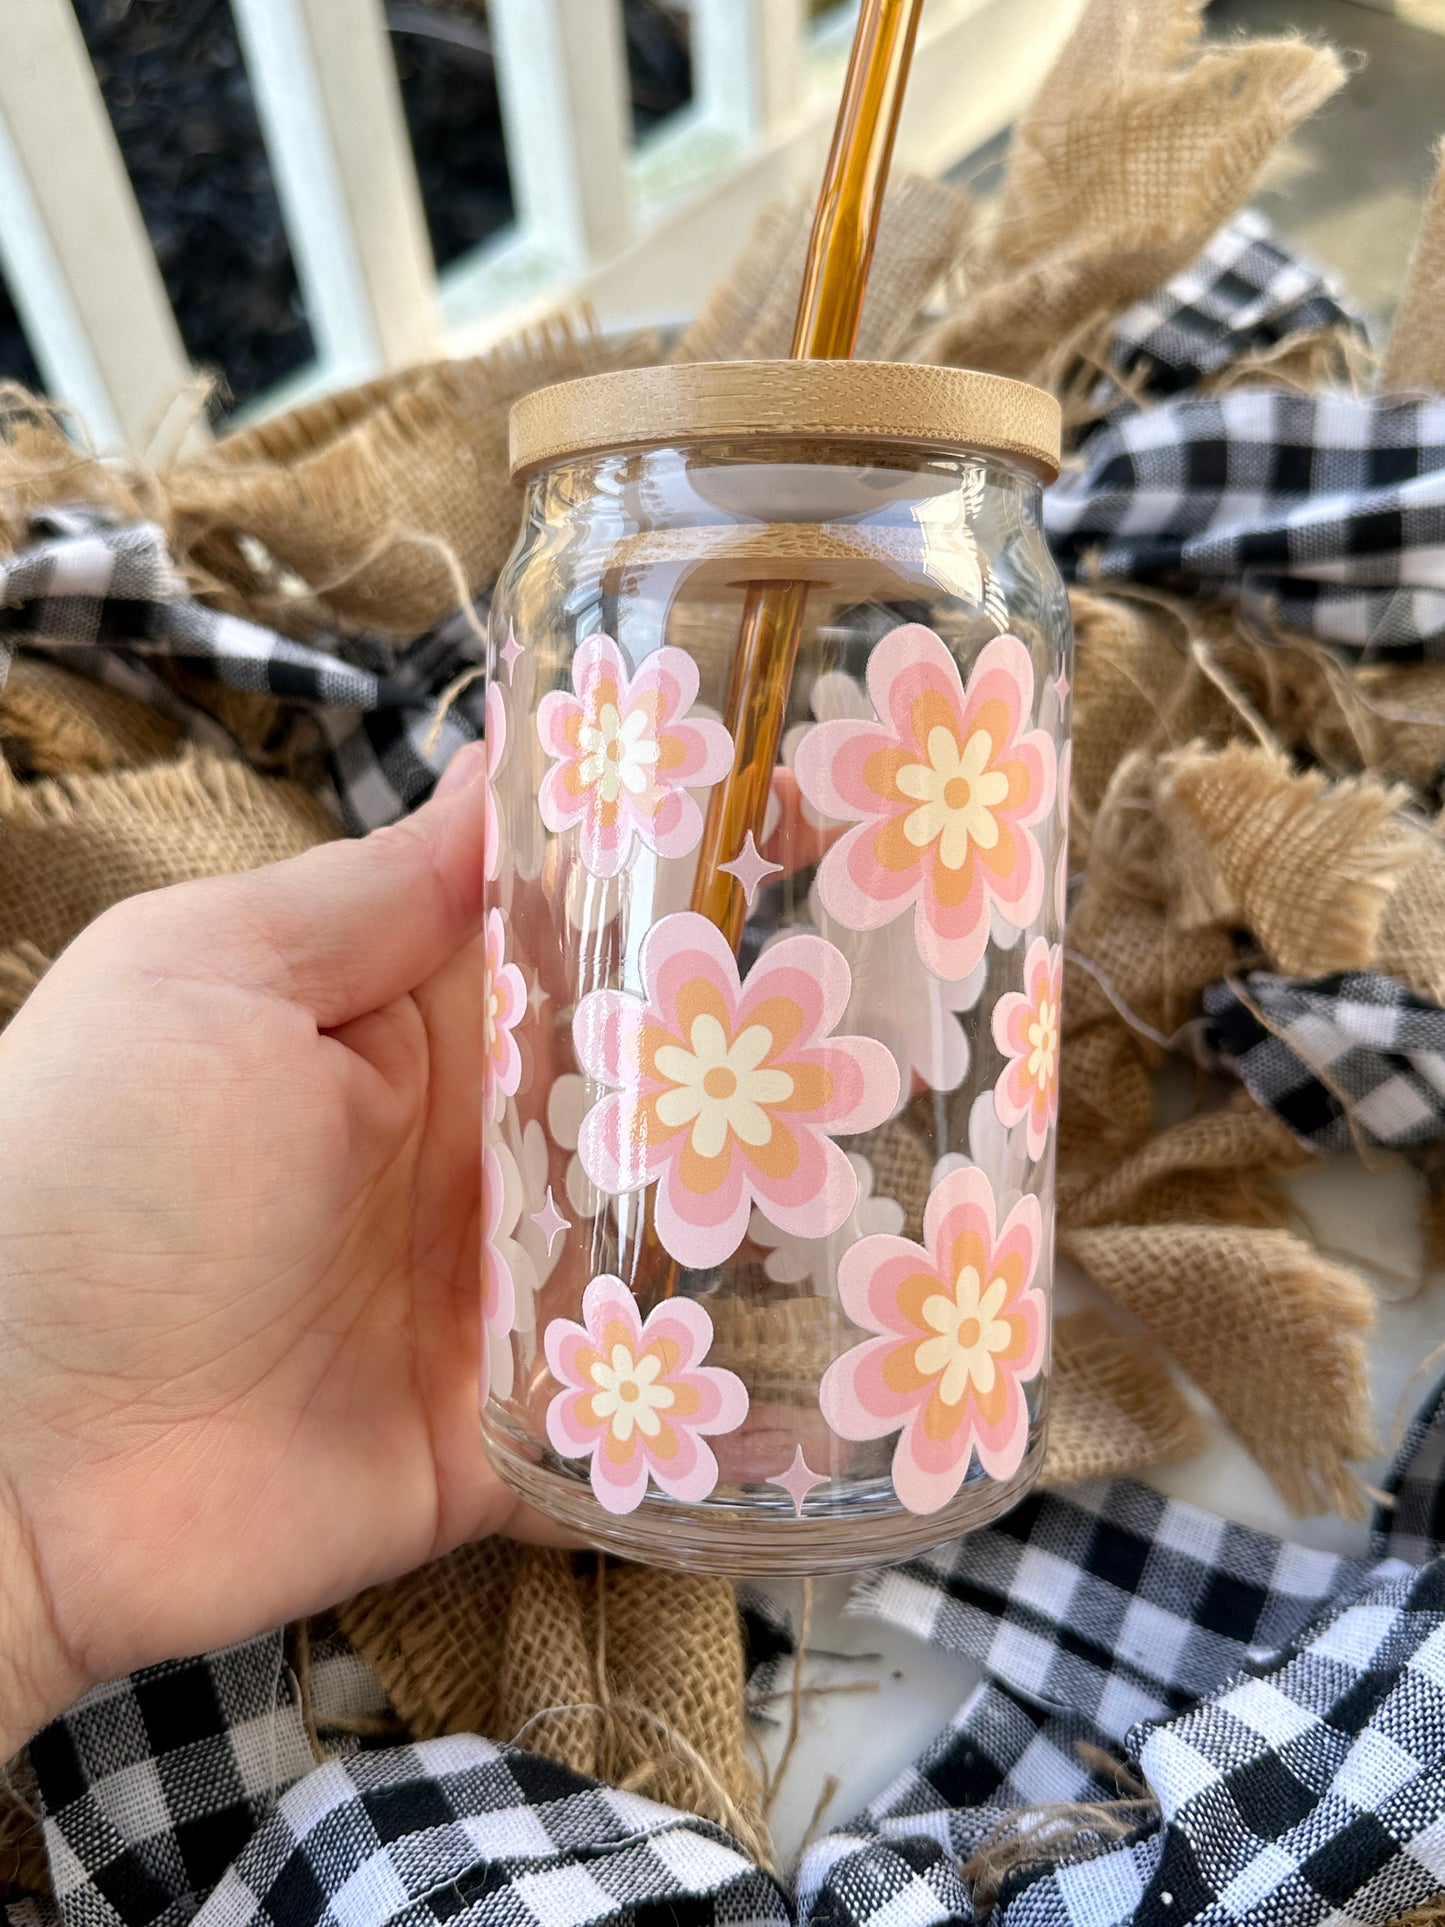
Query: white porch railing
x=642 y=230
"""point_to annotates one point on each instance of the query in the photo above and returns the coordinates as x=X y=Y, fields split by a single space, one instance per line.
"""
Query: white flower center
x=491 y=1016
x=618 y=752
x=957 y=794
x=720 y=1086
x=1043 y=1038
x=969 y=1331
x=628 y=1394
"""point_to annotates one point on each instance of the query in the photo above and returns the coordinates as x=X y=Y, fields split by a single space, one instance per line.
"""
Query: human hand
x=239 y=1229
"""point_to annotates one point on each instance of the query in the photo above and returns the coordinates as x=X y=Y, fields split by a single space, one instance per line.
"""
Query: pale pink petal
x=607 y=1034
x=621 y=1488
x=555 y=711
x=700 y=1232
x=849 y=1394
x=819 y=1194
x=612 y=1145
x=566 y=1431
x=691 y=1475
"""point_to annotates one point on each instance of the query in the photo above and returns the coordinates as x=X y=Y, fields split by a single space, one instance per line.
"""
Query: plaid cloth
x=1285 y=1707
x=1244 y=295
x=1410 y=1524
x=108 y=603
x=1322 y=513
x=1339 y=1060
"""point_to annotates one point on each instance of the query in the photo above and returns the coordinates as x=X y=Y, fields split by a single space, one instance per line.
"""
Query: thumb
x=352 y=925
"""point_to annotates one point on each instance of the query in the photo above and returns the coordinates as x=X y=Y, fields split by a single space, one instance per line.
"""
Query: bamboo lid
x=874 y=401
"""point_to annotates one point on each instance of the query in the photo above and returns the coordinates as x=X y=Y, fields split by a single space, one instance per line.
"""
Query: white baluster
x=562 y=84
x=72 y=243
x=749 y=63
x=330 y=109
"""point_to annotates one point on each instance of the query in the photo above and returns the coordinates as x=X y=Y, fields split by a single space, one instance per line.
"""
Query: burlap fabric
x=631 y=1675
x=1198 y=848
x=1139 y=146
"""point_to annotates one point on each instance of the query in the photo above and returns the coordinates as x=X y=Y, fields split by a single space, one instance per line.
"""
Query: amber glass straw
x=835 y=275
x=840 y=253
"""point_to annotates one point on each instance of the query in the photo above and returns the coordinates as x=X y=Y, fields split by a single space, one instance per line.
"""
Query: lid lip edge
x=1041 y=454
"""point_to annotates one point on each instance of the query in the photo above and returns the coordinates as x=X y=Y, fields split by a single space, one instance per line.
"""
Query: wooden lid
x=874 y=401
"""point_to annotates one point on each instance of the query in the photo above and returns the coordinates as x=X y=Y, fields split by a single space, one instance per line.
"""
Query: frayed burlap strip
x=1137 y=687
x=74 y=845
x=1113 y=1405
x=1268 y=1329
x=1306 y=866
x=630 y=1675
x=1139 y=146
x=55 y=724
x=1411 y=941
x=750 y=315
x=24 y=1866
x=391 y=503
x=1415 y=359
x=1219 y=1165
x=1188 y=1229
x=21 y=969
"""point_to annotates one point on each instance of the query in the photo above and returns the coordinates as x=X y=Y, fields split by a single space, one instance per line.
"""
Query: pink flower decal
x=1026 y=1030
x=500 y=1256
x=635 y=1397
x=961 y=1330
x=504 y=991
x=495 y=731
x=944 y=793
x=623 y=756
x=729 y=1094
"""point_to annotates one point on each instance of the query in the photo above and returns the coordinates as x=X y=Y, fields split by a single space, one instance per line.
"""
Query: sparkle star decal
x=1062 y=685
x=511 y=649
x=536 y=997
x=550 y=1222
x=798 y=1481
x=751 y=868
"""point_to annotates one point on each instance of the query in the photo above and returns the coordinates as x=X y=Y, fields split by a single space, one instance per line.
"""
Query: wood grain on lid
x=885 y=401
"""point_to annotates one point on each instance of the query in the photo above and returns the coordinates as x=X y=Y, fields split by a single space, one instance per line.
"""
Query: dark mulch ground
x=176 y=88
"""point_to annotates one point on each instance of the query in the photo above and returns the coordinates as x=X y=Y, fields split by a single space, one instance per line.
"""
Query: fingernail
x=465 y=767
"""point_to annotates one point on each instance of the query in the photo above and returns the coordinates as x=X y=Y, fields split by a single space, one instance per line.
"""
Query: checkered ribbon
x=1340 y=1061
x=1244 y=295
x=1322 y=513
x=108 y=603
x=1285 y=1707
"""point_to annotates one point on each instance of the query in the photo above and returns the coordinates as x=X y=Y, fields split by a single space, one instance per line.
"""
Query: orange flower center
x=720 y=1082
x=956 y=793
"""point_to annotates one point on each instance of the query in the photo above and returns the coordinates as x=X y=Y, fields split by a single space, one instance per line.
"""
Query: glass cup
x=769 y=1208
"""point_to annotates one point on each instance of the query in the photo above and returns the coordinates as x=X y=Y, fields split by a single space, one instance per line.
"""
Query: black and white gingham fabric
x=107 y=602
x=1305 y=1782
x=459 y=1832
x=1341 y=1061
x=1111 y=1601
x=1410 y=1522
x=1244 y=295
x=1286 y=1709
x=154 y=1783
x=1322 y=513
